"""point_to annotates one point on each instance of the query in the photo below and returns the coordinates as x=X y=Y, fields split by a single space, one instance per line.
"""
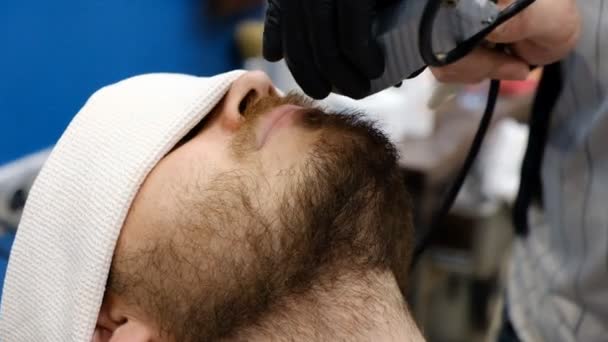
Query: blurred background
x=54 y=55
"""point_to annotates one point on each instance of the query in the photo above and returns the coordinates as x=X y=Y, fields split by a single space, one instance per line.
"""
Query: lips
x=282 y=116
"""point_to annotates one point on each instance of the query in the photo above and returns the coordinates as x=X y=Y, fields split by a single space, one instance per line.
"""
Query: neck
x=354 y=307
x=385 y=308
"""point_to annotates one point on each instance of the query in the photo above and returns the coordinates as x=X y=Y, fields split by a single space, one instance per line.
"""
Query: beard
x=236 y=262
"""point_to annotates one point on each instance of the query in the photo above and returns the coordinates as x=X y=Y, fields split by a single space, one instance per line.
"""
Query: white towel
x=63 y=250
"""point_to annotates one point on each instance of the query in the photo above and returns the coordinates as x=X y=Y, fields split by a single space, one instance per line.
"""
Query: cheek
x=206 y=154
x=186 y=169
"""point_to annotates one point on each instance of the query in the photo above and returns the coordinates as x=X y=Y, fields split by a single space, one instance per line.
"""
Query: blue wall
x=54 y=54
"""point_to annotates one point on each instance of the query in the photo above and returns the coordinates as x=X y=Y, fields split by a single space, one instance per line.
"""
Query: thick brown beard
x=346 y=211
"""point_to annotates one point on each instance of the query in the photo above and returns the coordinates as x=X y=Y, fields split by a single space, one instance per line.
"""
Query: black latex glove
x=327 y=44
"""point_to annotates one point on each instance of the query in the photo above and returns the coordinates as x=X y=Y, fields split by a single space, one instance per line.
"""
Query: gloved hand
x=327 y=44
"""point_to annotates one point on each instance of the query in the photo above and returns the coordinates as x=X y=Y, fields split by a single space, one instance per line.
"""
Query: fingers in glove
x=334 y=65
x=272 y=43
x=298 y=51
x=355 y=37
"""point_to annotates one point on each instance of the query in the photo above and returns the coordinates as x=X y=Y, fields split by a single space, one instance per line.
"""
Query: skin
x=542 y=34
x=207 y=155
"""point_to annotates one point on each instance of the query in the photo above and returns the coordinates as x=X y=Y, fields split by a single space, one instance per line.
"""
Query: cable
x=426 y=50
x=462 y=175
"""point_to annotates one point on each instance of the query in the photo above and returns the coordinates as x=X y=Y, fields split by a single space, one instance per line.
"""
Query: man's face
x=266 y=198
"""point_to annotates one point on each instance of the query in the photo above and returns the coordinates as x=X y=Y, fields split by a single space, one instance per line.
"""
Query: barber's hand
x=542 y=34
x=326 y=44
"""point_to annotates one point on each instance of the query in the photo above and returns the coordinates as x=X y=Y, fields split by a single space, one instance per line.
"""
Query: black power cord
x=432 y=59
x=448 y=202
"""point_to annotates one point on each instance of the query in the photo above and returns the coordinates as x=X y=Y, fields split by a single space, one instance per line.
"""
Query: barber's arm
x=542 y=34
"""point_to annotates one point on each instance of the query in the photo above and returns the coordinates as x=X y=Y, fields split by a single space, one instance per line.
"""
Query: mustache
x=254 y=108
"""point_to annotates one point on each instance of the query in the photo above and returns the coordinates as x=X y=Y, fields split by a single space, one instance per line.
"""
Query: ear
x=115 y=325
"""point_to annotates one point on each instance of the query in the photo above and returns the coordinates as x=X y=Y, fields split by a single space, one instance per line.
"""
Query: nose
x=248 y=88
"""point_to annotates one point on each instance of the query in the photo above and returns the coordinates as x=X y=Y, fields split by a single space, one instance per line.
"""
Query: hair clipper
x=397 y=29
